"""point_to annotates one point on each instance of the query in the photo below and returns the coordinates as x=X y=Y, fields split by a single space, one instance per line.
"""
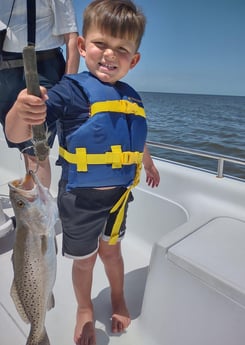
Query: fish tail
x=42 y=340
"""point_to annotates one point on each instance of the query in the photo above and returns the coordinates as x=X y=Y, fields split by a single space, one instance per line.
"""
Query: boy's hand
x=152 y=176
x=31 y=109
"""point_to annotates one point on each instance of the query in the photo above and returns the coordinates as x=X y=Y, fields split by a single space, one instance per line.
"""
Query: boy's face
x=108 y=58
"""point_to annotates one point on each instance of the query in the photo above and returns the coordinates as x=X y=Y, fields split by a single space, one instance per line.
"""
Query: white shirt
x=54 y=18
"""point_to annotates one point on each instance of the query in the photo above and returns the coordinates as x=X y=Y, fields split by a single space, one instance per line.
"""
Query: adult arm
x=65 y=25
x=72 y=54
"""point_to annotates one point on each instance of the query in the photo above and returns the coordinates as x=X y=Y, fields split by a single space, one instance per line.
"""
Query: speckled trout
x=34 y=254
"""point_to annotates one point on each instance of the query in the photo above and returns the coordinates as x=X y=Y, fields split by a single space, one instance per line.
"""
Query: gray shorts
x=85 y=216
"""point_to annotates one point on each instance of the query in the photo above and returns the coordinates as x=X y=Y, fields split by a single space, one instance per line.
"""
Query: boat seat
x=215 y=254
x=195 y=290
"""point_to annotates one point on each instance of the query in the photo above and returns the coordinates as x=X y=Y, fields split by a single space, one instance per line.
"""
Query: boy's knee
x=84 y=264
x=110 y=255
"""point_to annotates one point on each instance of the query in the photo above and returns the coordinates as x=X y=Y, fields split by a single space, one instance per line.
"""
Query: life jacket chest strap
x=117 y=106
x=116 y=157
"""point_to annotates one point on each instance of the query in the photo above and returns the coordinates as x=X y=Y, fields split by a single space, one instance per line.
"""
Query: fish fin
x=18 y=305
x=56 y=245
x=44 y=244
x=42 y=340
x=51 y=301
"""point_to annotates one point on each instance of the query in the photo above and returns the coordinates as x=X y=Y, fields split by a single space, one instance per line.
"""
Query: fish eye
x=20 y=203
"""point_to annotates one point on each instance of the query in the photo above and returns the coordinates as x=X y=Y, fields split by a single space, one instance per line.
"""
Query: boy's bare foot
x=84 y=330
x=88 y=335
x=120 y=317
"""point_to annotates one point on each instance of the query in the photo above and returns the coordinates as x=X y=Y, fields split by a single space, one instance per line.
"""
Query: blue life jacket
x=107 y=149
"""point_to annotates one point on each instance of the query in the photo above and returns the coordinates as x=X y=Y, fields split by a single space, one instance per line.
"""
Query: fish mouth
x=26 y=186
x=29 y=187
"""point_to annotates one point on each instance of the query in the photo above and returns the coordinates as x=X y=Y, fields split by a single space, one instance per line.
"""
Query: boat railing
x=221 y=159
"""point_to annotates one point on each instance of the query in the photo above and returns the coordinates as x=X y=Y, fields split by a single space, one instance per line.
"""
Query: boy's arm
x=152 y=174
x=27 y=110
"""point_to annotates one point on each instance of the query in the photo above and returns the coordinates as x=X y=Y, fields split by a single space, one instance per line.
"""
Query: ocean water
x=204 y=122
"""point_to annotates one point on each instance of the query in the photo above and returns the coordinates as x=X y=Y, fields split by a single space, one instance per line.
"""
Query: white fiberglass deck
x=173 y=293
x=60 y=321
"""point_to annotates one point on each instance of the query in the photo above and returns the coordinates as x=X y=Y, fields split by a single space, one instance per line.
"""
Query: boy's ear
x=135 y=60
x=81 y=46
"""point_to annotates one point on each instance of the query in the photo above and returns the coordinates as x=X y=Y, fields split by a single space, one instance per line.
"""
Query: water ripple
x=205 y=122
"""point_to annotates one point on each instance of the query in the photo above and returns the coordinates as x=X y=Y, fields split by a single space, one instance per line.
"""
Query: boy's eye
x=100 y=45
x=122 y=50
x=103 y=46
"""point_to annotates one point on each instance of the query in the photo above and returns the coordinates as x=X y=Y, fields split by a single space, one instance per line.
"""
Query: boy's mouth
x=107 y=66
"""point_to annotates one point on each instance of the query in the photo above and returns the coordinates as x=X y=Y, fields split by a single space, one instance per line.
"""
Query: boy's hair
x=118 y=18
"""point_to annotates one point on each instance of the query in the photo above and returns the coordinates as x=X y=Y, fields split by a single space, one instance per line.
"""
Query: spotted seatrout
x=34 y=254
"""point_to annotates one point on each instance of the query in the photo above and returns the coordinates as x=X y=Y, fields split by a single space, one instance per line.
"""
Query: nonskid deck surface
x=60 y=321
x=189 y=206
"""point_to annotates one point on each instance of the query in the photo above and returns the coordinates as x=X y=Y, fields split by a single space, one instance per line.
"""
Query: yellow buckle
x=81 y=161
x=116 y=152
x=129 y=158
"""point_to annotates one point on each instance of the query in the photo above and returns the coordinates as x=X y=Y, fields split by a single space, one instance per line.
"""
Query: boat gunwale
x=221 y=159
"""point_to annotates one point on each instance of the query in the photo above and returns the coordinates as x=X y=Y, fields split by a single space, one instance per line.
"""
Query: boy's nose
x=110 y=53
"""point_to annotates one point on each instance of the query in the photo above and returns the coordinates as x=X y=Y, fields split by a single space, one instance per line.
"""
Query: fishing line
x=37 y=160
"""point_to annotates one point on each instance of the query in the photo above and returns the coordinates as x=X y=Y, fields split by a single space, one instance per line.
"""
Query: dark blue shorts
x=85 y=217
x=12 y=81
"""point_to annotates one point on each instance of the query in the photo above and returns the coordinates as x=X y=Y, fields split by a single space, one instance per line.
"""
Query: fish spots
x=34 y=255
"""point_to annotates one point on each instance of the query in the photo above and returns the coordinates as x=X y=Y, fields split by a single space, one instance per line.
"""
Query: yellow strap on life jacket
x=121 y=204
x=117 y=106
x=116 y=157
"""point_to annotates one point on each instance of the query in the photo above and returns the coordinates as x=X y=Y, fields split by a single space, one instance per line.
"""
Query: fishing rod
x=40 y=133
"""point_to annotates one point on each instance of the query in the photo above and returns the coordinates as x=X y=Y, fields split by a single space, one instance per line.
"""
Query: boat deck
x=184 y=264
x=60 y=321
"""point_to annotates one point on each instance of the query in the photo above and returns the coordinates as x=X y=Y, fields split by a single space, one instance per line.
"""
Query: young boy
x=102 y=133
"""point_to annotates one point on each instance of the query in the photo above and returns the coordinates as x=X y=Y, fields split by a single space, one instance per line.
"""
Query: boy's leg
x=82 y=274
x=112 y=259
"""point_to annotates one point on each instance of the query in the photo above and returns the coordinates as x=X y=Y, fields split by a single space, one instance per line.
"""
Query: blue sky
x=190 y=46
